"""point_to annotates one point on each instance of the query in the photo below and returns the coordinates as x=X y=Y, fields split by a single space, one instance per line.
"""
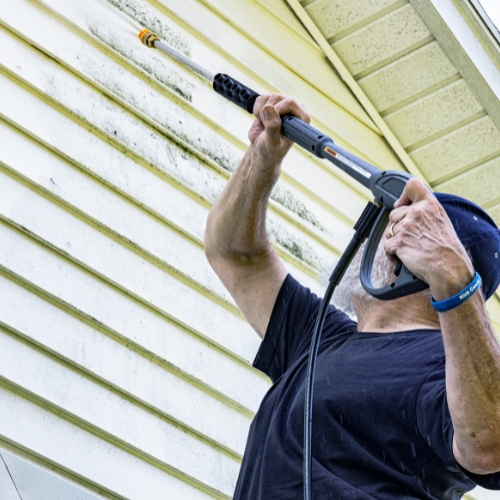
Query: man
x=407 y=401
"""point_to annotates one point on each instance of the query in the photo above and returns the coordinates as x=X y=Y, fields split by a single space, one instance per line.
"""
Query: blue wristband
x=460 y=297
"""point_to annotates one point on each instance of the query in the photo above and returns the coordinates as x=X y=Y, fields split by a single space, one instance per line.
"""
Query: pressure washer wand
x=311 y=139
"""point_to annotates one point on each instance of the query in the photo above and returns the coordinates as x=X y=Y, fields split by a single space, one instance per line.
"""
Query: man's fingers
x=291 y=106
x=415 y=190
x=396 y=216
x=283 y=105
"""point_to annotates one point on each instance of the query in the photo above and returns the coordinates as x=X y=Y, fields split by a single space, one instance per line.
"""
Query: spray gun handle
x=387 y=187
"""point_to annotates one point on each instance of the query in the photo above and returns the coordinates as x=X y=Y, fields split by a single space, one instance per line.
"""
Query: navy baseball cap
x=480 y=236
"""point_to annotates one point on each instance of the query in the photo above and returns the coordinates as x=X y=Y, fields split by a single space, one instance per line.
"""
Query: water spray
x=386 y=187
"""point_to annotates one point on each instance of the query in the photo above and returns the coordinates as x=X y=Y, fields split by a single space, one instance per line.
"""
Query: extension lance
x=386 y=187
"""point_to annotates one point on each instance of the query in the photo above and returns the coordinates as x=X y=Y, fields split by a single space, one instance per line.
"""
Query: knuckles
x=283 y=104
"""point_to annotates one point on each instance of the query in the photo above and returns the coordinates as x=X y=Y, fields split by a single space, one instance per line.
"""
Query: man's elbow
x=480 y=458
x=208 y=246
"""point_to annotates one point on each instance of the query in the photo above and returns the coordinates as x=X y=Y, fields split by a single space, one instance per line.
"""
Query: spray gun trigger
x=398 y=268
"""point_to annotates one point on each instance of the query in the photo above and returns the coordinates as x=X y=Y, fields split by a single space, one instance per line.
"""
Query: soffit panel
x=481 y=184
x=428 y=117
x=335 y=18
x=459 y=151
x=408 y=78
x=383 y=41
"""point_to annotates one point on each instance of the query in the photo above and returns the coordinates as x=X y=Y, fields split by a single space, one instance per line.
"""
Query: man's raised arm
x=428 y=245
x=236 y=242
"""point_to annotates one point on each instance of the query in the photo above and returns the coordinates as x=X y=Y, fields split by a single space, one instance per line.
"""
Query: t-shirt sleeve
x=436 y=428
x=290 y=328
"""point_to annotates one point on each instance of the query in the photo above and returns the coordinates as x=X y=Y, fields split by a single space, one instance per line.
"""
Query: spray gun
x=386 y=187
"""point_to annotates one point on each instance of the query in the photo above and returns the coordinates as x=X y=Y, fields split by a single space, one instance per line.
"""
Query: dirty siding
x=125 y=367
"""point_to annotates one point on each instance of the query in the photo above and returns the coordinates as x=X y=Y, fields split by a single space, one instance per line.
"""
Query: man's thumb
x=415 y=190
x=271 y=119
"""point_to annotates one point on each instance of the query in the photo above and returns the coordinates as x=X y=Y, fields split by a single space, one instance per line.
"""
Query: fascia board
x=484 y=15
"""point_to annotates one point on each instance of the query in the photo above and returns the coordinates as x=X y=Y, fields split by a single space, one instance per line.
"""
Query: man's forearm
x=236 y=223
x=236 y=242
x=473 y=385
x=426 y=241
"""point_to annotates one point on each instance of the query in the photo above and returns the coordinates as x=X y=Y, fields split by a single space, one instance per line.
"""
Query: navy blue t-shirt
x=381 y=425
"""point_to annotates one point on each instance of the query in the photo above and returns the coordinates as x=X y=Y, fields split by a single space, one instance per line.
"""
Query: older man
x=407 y=400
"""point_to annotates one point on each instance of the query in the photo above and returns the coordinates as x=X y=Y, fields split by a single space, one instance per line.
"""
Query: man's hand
x=265 y=136
x=426 y=242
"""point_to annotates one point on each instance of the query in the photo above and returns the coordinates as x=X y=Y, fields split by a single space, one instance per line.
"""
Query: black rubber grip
x=303 y=134
x=235 y=91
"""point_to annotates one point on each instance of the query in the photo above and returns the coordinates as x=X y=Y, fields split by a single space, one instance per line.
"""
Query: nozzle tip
x=148 y=38
x=142 y=33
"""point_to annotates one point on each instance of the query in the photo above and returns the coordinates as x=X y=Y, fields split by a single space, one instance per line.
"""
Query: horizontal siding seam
x=53 y=468
x=181 y=101
x=70 y=365
x=100 y=326
x=115 y=389
x=108 y=438
x=172 y=95
x=135 y=248
x=115 y=236
x=269 y=13
x=252 y=73
x=275 y=206
x=120 y=146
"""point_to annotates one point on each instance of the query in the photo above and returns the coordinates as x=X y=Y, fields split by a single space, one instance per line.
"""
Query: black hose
x=362 y=229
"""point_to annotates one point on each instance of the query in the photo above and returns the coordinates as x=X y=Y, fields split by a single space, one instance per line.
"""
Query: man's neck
x=407 y=313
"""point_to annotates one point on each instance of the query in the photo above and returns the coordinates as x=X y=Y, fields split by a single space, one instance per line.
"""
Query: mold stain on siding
x=145 y=16
x=151 y=64
x=288 y=200
x=157 y=148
